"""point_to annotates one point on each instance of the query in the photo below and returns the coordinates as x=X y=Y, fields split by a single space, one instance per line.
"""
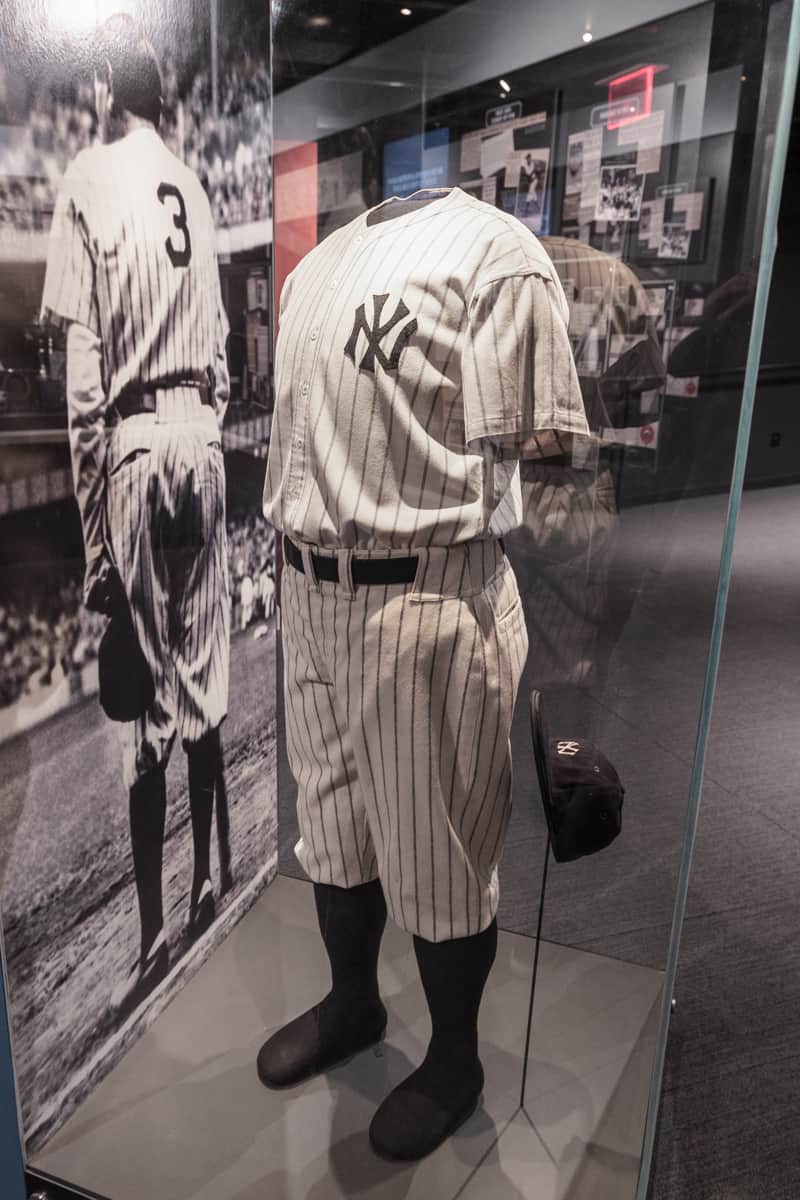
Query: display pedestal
x=184 y=1116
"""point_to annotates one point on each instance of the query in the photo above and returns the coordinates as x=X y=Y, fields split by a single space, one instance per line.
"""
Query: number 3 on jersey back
x=179 y=256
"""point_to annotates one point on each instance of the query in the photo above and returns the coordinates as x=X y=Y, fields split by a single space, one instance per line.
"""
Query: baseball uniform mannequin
x=132 y=276
x=422 y=350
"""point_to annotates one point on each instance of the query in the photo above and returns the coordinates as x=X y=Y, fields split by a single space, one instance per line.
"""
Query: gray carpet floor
x=732 y=1094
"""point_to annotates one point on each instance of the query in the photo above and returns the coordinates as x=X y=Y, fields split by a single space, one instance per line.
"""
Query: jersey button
x=334 y=284
x=314 y=334
x=304 y=388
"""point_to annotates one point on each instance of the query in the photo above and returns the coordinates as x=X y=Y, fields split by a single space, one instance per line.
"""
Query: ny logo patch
x=568 y=748
x=376 y=333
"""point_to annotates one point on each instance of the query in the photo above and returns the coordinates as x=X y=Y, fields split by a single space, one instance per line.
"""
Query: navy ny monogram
x=377 y=332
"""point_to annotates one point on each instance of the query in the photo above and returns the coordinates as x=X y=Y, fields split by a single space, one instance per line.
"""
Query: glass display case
x=589 y=196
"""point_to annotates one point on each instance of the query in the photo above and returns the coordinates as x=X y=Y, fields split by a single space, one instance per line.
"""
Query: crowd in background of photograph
x=251 y=559
x=46 y=633
x=229 y=152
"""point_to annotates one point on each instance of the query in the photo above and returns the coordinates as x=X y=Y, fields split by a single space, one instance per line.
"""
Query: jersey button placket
x=299 y=481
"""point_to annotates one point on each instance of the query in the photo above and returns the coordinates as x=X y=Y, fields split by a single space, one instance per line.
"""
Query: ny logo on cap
x=377 y=332
x=569 y=748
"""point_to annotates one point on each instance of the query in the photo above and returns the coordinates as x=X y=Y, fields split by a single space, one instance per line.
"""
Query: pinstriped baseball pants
x=398 y=704
x=165 y=506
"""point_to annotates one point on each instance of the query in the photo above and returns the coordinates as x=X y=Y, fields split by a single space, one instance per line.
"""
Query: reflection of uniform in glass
x=577 y=603
x=132 y=275
x=529 y=201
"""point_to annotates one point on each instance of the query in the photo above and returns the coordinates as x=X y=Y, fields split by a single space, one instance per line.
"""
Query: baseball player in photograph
x=132 y=276
x=422 y=352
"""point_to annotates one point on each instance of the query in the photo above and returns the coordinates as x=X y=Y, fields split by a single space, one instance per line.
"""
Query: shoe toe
x=289 y=1056
x=316 y=1042
x=418 y=1116
x=407 y=1126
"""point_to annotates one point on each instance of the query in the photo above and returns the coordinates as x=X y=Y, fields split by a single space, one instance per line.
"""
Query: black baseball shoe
x=143 y=979
x=426 y=1109
x=202 y=912
x=319 y=1040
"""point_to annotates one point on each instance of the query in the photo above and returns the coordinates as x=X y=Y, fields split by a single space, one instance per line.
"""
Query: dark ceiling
x=311 y=36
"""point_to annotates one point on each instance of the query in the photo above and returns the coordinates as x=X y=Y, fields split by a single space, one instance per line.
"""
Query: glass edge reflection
x=768 y=246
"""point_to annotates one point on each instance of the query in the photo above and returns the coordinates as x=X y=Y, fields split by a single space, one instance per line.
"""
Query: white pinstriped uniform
x=132 y=273
x=417 y=358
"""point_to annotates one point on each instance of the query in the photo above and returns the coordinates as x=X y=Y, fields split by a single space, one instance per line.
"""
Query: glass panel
x=616 y=145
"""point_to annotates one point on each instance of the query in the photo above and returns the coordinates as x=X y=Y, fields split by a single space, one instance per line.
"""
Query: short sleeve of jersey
x=518 y=373
x=69 y=285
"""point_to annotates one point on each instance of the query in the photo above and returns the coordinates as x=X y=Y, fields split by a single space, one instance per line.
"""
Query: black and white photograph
x=138 y=795
x=531 y=189
x=675 y=241
x=620 y=196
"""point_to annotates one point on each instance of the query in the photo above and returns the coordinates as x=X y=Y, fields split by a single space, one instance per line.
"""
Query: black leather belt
x=138 y=398
x=364 y=570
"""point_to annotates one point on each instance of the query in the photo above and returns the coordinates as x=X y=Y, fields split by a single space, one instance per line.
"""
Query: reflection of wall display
x=504 y=112
x=513 y=160
x=648 y=135
x=570 y=211
x=687 y=386
x=574 y=179
x=531 y=189
x=419 y=161
x=620 y=194
x=129 y=849
x=662 y=297
x=689 y=206
x=651 y=221
x=530 y=128
x=584 y=155
x=634 y=87
x=489 y=190
x=674 y=221
x=675 y=239
x=661 y=305
x=496 y=150
x=339 y=182
x=614 y=237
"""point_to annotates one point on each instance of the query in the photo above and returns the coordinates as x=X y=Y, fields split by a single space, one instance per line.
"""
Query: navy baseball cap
x=581 y=790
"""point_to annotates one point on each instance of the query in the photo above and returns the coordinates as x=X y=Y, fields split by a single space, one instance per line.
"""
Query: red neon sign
x=630 y=97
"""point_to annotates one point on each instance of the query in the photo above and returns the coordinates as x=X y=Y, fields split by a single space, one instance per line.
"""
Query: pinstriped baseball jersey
x=132 y=256
x=132 y=275
x=415 y=359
